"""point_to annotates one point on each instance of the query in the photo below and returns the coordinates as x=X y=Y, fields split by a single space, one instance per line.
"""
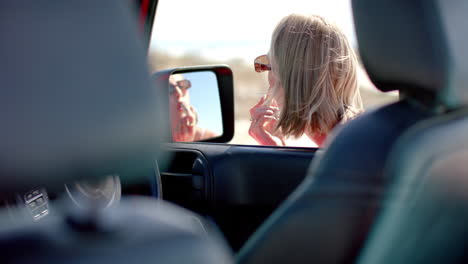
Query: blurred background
x=215 y=32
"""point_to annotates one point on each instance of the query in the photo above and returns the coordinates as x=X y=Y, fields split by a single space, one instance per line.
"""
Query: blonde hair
x=317 y=71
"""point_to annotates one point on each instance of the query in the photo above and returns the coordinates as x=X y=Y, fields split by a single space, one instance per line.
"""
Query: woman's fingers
x=258 y=112
x=188 y=125
x=274 y=110
x=189 y=120
x=185 y=130
x=264 y=123
x=265 y=118
x=258 y=104
x=191 y=111
x=261 y=135
x=263 y=108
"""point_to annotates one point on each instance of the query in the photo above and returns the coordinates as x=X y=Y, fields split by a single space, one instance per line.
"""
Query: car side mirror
x=200 y=104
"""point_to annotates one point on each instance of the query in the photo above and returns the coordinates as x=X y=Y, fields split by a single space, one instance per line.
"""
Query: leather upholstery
x=426 y=210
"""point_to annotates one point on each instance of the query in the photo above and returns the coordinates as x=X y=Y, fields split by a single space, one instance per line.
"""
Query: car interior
x=90 y=172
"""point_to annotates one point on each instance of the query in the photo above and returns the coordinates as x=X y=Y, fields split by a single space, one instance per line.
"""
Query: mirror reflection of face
x=193 y=95
x=179 y=96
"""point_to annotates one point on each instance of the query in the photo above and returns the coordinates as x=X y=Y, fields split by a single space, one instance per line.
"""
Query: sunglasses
x=184 y=85
x=262 y=63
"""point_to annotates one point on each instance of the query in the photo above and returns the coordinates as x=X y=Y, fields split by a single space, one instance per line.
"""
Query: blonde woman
x=312 y=76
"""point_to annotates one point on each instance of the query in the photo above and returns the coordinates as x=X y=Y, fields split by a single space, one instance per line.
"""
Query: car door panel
x=236 y=186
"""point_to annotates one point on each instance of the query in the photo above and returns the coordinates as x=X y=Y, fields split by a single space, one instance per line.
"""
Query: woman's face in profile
x=272 y=79
x=179 y=98
x=178 y=95
x=273 y=82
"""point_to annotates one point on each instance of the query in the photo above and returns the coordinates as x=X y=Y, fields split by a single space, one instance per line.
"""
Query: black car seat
x=426 y=210
x=77 y=104
x=419 y=48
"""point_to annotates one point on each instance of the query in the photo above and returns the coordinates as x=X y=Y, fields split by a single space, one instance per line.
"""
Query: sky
x=204 y=97
x=224 y=30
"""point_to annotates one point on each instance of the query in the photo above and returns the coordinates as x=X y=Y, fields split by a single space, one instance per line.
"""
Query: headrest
x=76 y=99
x=417 y=46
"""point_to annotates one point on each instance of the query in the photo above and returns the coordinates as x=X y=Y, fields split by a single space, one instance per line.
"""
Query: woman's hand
x=185 y=129
x=264 y=120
